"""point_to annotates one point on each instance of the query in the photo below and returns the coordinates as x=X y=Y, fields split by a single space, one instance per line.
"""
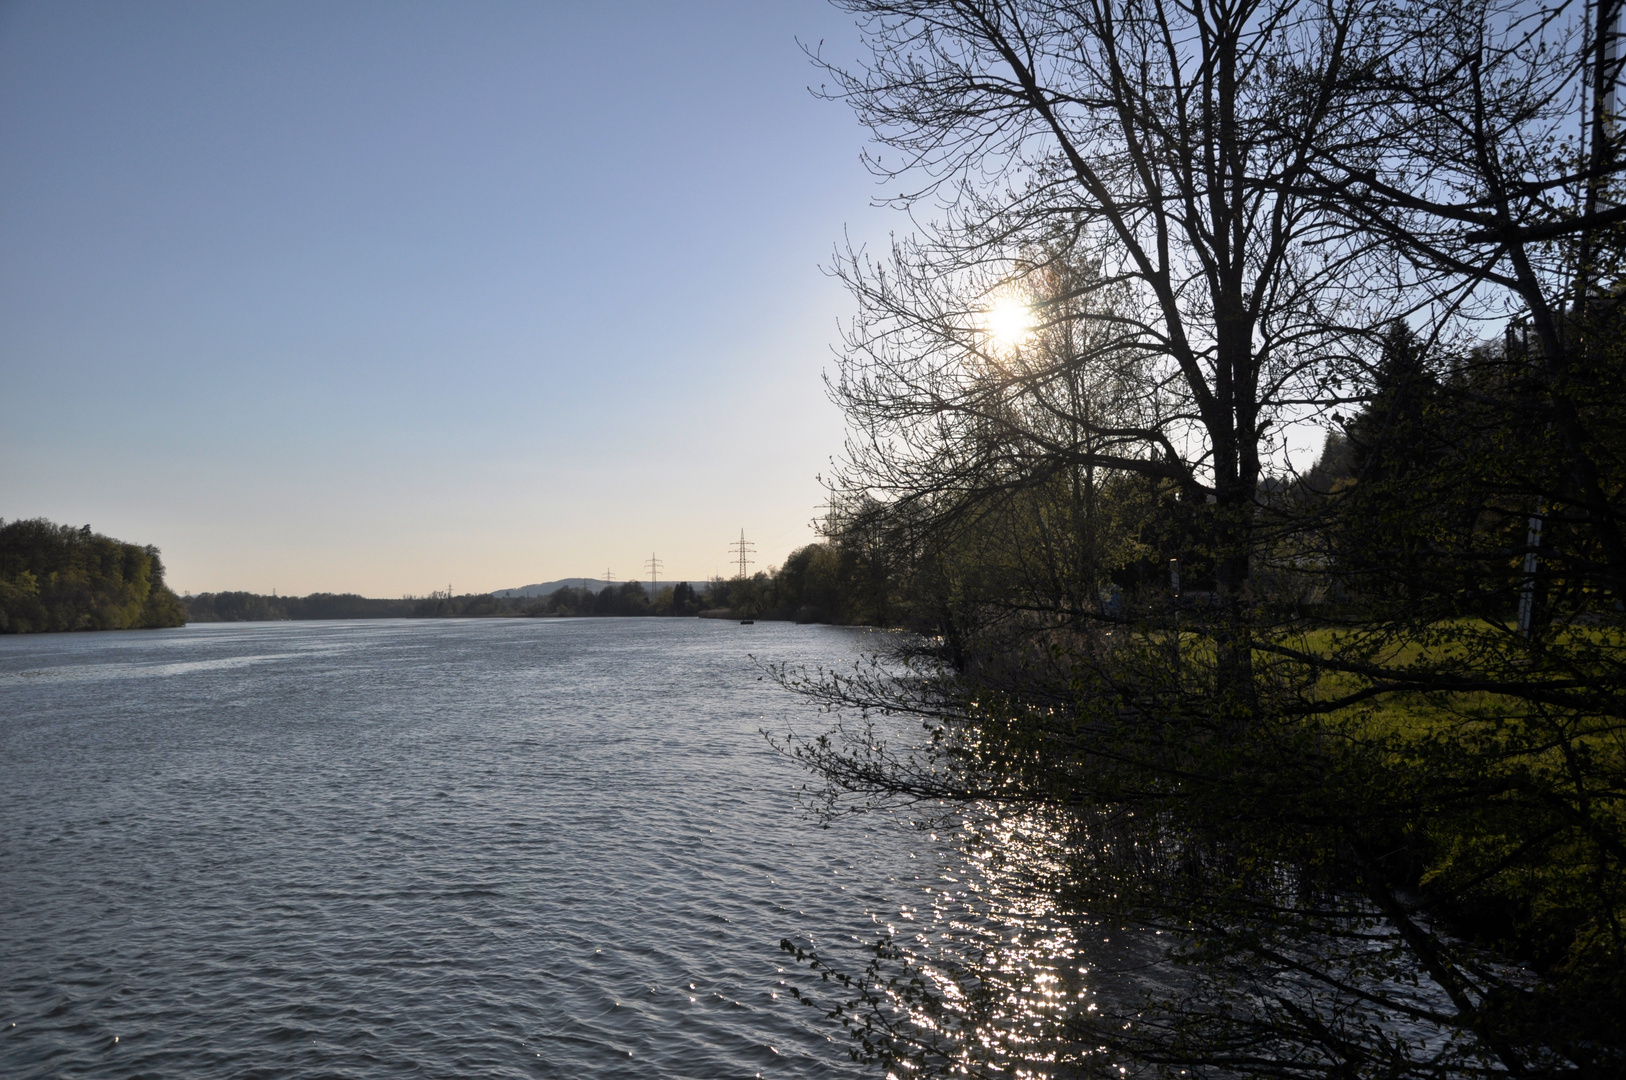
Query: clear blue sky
x=382 y=297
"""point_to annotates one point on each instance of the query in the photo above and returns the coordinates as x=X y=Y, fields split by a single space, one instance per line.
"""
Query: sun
x=1008 y=324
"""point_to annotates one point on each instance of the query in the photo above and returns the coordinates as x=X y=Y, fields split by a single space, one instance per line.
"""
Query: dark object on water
x=747 y=622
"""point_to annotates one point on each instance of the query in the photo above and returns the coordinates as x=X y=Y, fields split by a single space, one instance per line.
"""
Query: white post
x=1527 y=591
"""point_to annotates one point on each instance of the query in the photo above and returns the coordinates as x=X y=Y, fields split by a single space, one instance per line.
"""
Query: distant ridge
x=547 y=588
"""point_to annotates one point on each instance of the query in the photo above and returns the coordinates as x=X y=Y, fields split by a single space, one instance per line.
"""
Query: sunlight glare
x=1008 y=324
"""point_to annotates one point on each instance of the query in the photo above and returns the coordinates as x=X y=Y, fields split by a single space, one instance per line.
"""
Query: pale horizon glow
x=375 y=297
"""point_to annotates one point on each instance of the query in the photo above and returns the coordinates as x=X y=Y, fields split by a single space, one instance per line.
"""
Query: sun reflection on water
x=989 y=970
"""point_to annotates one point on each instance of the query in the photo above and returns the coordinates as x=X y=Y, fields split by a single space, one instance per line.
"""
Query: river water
x=443 y=848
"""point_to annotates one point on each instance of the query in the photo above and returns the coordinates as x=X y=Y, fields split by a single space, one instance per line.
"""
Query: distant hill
x=548 y=588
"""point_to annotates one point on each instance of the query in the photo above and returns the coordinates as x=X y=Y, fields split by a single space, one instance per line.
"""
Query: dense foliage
x=56 y=577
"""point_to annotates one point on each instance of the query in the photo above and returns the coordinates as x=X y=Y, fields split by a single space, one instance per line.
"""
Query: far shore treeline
x=824 y=583
x=57 y=577
x=60 y=577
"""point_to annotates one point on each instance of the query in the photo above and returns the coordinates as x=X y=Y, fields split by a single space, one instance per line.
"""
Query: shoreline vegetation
x=819 y=583
x=1345 y=747
x=57 y=577
x=61 y=578
x=830 y=582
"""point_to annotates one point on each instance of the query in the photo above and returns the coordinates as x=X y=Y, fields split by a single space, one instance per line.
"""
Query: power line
x=742 y=547
x=654 y=566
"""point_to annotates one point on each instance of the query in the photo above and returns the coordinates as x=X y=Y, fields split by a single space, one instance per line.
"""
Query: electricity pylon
x=742 y=547
x=609 y=578
x=654 y=566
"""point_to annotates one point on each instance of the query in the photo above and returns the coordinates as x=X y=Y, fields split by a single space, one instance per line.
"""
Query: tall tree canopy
x=56 y=577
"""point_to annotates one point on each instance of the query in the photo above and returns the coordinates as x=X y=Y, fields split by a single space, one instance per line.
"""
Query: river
x=449 y=848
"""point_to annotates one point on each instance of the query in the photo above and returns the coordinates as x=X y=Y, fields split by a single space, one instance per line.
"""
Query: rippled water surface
x=474 y=848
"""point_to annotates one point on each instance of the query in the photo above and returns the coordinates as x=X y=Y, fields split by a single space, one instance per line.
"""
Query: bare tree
x=1162 y=144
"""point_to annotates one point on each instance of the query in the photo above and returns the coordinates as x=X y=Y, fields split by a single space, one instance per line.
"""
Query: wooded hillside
x=57 y=577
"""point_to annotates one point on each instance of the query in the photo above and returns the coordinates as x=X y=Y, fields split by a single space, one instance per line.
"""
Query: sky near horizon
x=384 y=297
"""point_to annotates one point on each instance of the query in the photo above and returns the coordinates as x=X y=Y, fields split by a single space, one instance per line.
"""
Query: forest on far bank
x=828 y=582
x=58 y=577
x=629 y=598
